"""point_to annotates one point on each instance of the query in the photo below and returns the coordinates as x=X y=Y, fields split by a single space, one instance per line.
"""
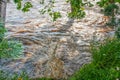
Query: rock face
x=52 y=49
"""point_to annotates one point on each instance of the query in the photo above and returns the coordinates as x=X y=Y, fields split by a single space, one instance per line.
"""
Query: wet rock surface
x=52 y=49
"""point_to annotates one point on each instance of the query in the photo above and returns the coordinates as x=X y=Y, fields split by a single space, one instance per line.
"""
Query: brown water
x=40 y=36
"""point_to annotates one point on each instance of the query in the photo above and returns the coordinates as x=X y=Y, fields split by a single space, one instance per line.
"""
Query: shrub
x=105 y=64
x=9 y=49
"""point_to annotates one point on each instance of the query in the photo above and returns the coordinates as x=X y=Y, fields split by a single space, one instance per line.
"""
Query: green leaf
x=17 y=1
x=27 y=7
x=117 y=1
x=19 y=5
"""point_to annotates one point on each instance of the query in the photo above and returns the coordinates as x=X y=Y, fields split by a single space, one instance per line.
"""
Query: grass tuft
x=105 y=64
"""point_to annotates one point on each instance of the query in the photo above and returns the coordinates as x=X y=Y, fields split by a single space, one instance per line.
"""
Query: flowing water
x=56 y=49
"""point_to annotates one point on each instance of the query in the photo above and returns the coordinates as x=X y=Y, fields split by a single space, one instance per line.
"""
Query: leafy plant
x=9 y=49
x=55 y=15
x=117 y=32
x=26 y=7
x=111 y=9
x=2 y=31
x=6 y=76
x=107 y=54
x=49 y=9
x=22 y=76
x=105 y=63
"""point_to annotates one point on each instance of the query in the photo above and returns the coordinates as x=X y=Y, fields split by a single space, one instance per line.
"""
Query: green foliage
x=5 y=76
x=107 y=54
x=49 y=9
x=117 y=32
x=22 y=76
x=92 y=72
x=26 y=7
x=111 y=9
x=77 y=9
x=19 y=4
x=2 y=31
x=105 y=3
x=55 y=15
x=105 y=64
x=114 y=22
x=117 y=1
x=10 y=49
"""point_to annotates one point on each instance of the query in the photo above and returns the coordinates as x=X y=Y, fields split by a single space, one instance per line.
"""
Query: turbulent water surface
x=56 y=49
